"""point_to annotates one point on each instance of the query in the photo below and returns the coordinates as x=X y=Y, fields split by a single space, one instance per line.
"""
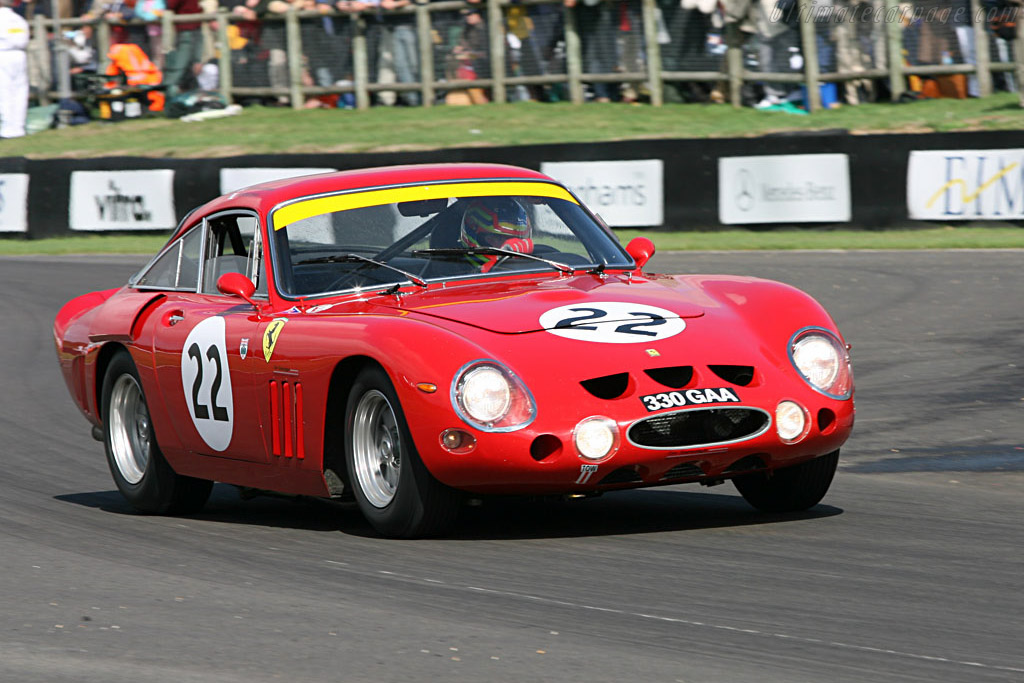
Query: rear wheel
x=139 y=469
x=789 y=489
x=392 y=486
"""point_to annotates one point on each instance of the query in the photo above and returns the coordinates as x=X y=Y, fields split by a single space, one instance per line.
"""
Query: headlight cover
x=822 y=360
x=489 y=396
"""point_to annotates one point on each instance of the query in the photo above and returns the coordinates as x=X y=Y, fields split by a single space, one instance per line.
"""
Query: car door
x=202 y=338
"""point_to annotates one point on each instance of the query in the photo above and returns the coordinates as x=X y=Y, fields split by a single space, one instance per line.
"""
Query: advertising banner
x=232 y=179
x=13 y=202
x=122 y=200
x=962 y=185
x=784 y=188
x=624 y=193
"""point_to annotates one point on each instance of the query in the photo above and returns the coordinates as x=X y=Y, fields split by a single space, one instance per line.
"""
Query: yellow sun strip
x=965 y=196
x=287 y=215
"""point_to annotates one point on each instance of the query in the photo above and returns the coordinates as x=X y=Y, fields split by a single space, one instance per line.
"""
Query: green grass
x=84 y=244
x=259 y=130
x=725 y=240
x=1009 y=237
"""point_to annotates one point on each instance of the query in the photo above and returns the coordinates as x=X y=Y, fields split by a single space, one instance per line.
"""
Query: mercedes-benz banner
x=784 y=188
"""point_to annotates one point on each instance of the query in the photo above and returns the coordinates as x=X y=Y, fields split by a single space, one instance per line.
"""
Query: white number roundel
x=612 y=322
x=207 y=382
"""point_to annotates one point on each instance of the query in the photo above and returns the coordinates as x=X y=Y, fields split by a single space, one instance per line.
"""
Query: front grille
x=684 y=470
x=698 y=427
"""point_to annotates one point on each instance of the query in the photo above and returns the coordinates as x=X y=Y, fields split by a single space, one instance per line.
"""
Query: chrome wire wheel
x=130 y=429
x=376 y=448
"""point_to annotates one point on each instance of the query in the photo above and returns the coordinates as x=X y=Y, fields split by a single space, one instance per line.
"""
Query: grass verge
x=261 y=130
x=723 y=240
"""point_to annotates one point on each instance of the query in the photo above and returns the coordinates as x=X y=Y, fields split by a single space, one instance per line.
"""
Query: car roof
x=265 y=196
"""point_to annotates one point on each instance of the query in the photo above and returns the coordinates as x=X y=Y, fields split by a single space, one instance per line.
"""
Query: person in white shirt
x=13 y=72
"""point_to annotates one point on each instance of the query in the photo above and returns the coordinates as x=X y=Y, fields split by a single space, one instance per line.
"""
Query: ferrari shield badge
x=271 y=335
x=243 y=348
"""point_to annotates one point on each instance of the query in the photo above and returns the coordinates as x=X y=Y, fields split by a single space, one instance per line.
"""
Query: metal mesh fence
x=599 y=49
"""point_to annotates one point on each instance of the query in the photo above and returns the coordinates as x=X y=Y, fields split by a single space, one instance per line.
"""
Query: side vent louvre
x=607 y=387
x=286 y=419
x=740 y=375
x=674 y=378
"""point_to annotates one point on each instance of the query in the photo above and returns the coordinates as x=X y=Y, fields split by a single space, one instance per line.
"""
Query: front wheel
x=790 y=489
x=138 y=468
x=392 y=486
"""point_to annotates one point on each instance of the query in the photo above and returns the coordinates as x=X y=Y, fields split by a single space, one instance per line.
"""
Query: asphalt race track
x=911 y=569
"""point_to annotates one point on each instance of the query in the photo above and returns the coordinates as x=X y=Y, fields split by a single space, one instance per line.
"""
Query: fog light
x=596 y=437
x=457 y=441
x=790 y=421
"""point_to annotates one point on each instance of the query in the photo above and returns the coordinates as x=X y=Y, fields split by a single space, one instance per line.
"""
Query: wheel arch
x=342 y=378
x=103 y=358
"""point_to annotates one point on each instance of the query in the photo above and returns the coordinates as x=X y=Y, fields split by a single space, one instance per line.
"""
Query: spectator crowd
x=691 y=36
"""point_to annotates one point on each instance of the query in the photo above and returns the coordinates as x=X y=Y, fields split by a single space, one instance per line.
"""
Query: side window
x=232 y=246
x=178 y=267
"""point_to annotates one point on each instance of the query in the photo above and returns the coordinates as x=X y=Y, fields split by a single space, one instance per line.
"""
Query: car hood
x=529 y=306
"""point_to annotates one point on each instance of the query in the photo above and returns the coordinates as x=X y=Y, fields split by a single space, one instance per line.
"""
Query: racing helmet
x=493 y=221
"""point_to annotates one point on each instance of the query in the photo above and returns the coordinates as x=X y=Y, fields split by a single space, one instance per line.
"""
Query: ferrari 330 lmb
x=413 y=336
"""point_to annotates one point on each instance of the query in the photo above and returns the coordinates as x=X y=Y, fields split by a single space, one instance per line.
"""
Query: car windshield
x=398 y=236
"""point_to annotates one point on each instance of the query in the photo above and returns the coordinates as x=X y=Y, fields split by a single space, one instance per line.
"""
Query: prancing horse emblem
x=243 y=348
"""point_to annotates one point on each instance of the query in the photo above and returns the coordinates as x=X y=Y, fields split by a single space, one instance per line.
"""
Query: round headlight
x=822 y=361
x=596 y=437
x=485 y=394
x=790 y=421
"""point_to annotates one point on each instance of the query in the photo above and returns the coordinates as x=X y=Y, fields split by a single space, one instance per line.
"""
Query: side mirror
x=236 y=284
x=641 y=249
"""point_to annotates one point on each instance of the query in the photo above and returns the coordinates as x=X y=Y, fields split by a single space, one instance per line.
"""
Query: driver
x=500 y=222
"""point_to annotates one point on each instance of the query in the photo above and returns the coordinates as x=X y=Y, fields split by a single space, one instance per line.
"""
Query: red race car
x=413 y=336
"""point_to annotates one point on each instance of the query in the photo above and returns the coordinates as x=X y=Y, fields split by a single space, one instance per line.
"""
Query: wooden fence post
x=226 y=80
x=360 y=64
x=426 y=47
x=293 y=37
x=809 y=50
x=654 y=83
x=573 y=56
x=894 y=26
x=496 y=32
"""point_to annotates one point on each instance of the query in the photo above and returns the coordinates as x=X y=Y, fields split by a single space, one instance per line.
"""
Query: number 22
x=201 y=411
x=626 y=328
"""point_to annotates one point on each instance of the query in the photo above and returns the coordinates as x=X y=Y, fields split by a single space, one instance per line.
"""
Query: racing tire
x=140 y=471
x=790 y=489
x=391 y=485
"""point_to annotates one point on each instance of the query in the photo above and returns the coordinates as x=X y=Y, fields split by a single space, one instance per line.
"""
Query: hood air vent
x=607 y=387
x=674 y=378
x=740 y=375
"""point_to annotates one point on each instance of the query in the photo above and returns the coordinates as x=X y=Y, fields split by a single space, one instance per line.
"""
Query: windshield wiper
x=349 y=258
x=492 y=251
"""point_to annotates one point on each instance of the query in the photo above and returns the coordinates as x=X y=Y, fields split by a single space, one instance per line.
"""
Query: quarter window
x=178 y=267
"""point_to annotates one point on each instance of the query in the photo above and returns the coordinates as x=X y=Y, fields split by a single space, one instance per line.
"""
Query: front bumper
x=542 y=459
